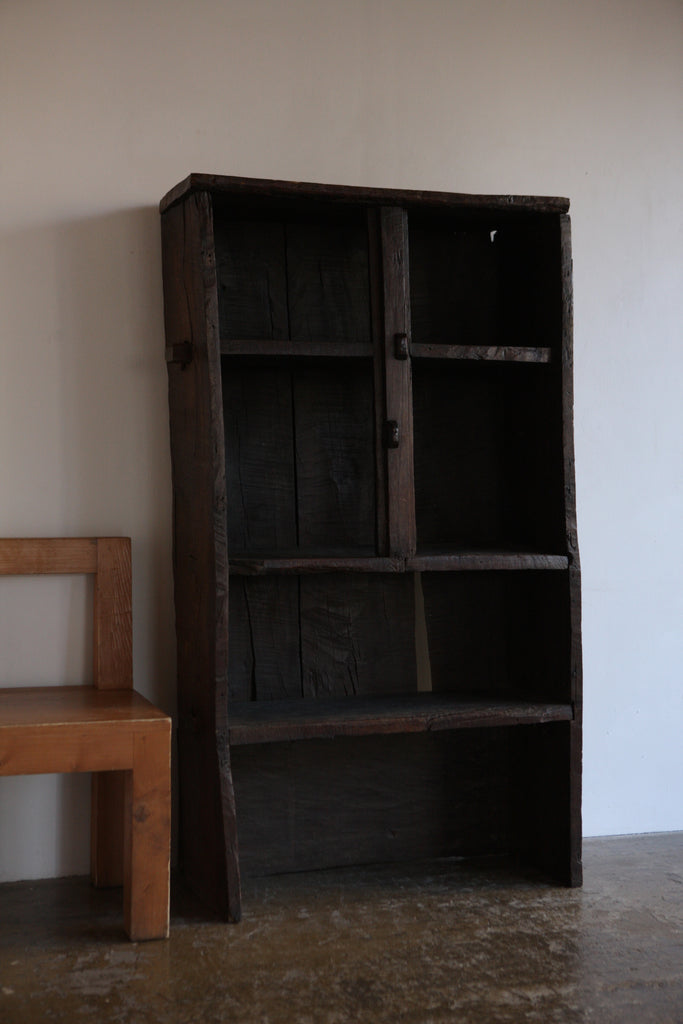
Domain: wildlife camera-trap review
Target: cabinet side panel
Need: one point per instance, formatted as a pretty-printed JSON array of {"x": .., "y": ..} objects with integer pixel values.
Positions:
[{"x": 207, "y": 832}]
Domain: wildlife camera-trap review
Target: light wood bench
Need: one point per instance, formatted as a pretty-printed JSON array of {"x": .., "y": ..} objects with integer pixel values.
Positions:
[{"x": 107, "y": 729}]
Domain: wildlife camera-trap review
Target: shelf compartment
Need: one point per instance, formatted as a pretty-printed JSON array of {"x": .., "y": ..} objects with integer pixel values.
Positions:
[
  {"x": 488, "y": 457},
  {"x": 288, "y": 278},
  {"x": 485, "y": 353},
  {"x": 494, "y": 286},
  {"x": 285, "y": 720},
  {"x": 300, "y": 458}
]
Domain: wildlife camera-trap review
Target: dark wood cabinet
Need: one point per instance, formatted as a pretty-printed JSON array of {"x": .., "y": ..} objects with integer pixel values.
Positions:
[{"x": 376, "y": 565}]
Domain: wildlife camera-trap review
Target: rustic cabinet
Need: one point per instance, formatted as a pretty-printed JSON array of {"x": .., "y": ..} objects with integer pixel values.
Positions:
[{"x": 376, "y": 565}]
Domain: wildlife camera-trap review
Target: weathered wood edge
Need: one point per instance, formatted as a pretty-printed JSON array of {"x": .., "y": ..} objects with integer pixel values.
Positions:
[
  {"x": 234, "y": 185},
  {"x": 200, "y": 555},
  {"x": 575, "y": 655},
  {"x": 283, "y": 721}
]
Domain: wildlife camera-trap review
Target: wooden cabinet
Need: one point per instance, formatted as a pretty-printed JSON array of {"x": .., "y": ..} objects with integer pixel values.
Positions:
[{"x": 376, "y": 565}]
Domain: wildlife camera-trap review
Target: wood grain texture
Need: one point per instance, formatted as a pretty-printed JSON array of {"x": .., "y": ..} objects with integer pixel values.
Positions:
[
  {"x": 488, "y": 353},
  {"x": 208, "y": 843},
  {"x": 147, "y": 838},
  {"x": 385, "y": 798},
  {"x": 24, "y": 556},
  {"x": 251, "y": 270},
  {"x": 280, "y": 721},
  {"x": 113, "y": 637},
  {"x": 357, "y": 635},
  {"x": 107, "y": 811},
  {"x": 302, "y": 190},
  {"x": 328, "y": 281},
  {"x": 335, "y": 463}
]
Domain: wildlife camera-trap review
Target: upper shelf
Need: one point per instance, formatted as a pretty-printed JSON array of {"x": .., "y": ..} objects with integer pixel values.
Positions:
[
  {"x": 364, "y": 350},
  {"x": 497, "y": 353},
  {"x": 446, "y": 561},
  {"x": 306, "y": 349}
]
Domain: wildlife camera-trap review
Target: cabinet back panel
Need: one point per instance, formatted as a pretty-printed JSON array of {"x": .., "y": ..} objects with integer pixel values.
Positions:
[
  {"x": 454, "y": 286},
  {"x": 487, "y": 457},
  {"x": 329, "y": 283},
  {"x": 505, "y": 634},
  {"x": 326, "y": 803},
  {"x": 285, "y": 279},
  {"x": 327, "y": 635},
  {"x": 493, "y": 284},
  {"x": 252, "y": 280},
  {"x": 300, "y": 458}
]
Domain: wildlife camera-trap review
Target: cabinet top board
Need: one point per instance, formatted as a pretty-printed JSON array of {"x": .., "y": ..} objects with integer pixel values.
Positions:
[{"x": 304, "y": 190}]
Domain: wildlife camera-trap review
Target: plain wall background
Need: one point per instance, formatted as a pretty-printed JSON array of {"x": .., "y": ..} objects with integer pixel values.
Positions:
[{"x": 106, "y": 104}]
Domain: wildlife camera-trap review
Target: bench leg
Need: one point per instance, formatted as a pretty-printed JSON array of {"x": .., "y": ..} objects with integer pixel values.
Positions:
[
  {"x": 147, "y": 837},
  {"x": 106, "y": 828}
]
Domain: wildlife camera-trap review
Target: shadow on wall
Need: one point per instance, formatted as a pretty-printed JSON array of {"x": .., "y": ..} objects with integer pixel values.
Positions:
[{"x": 84, "y": 450}]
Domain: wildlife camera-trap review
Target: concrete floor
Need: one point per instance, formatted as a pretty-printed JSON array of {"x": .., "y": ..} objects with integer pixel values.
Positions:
[{"x": 424, "y": 944}]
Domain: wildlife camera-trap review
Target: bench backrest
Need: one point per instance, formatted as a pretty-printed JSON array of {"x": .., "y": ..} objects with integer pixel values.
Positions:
[{"x": 108, "y": 559}]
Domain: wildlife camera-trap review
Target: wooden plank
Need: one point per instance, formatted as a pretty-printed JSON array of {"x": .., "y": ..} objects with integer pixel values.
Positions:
[
  {"x": 238, "y": 187},
  {"x": 297, "y": 348},
  {"x": 392, "y": 798},
  {"x": 280, "y": 721},
  {"x": 400, "y": 483},
  {"x": 328, "y": 282},
  {"x": 485, "y": 561},
  {"x": 259, "y": 458},
  {"x": 24, "y": 556},
  {"x": 357, "y": 634},
  {"x": 335, "y": 465},
  {"x": 74, "y": 705},
  {"x": 208, "y": 838},
  {"x": 375, "y": 259},
  {"x": 265, "y": 658},
  {"x": 488, "y": 353},
  {"x": 147, "y": 838},
  {"x": 107, "y": 809},
  {"x": 113, "y": 636},
  {"x": 314, "y": 564},
  {"x": 251, "y": 279}
]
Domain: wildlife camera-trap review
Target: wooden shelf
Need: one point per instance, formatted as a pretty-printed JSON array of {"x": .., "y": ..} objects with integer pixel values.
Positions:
[
  {"x": 502, "y": 353},
  {"x": 302, "y": 349},
  {"x": 284, "y": 720},
  {"x": 442, "y": 561},
  {"x": 454, "y": 561}
]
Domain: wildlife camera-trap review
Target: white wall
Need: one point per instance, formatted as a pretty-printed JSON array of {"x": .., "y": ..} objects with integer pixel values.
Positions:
[{"x": 105, "y": 104}]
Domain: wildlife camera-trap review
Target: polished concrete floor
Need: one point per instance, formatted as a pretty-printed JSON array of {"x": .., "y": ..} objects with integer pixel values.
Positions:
[{"x": 439, "y": 942}]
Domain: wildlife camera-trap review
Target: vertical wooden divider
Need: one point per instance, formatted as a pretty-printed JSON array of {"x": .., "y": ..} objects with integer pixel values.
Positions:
[{"x": 398, "y": 429}]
